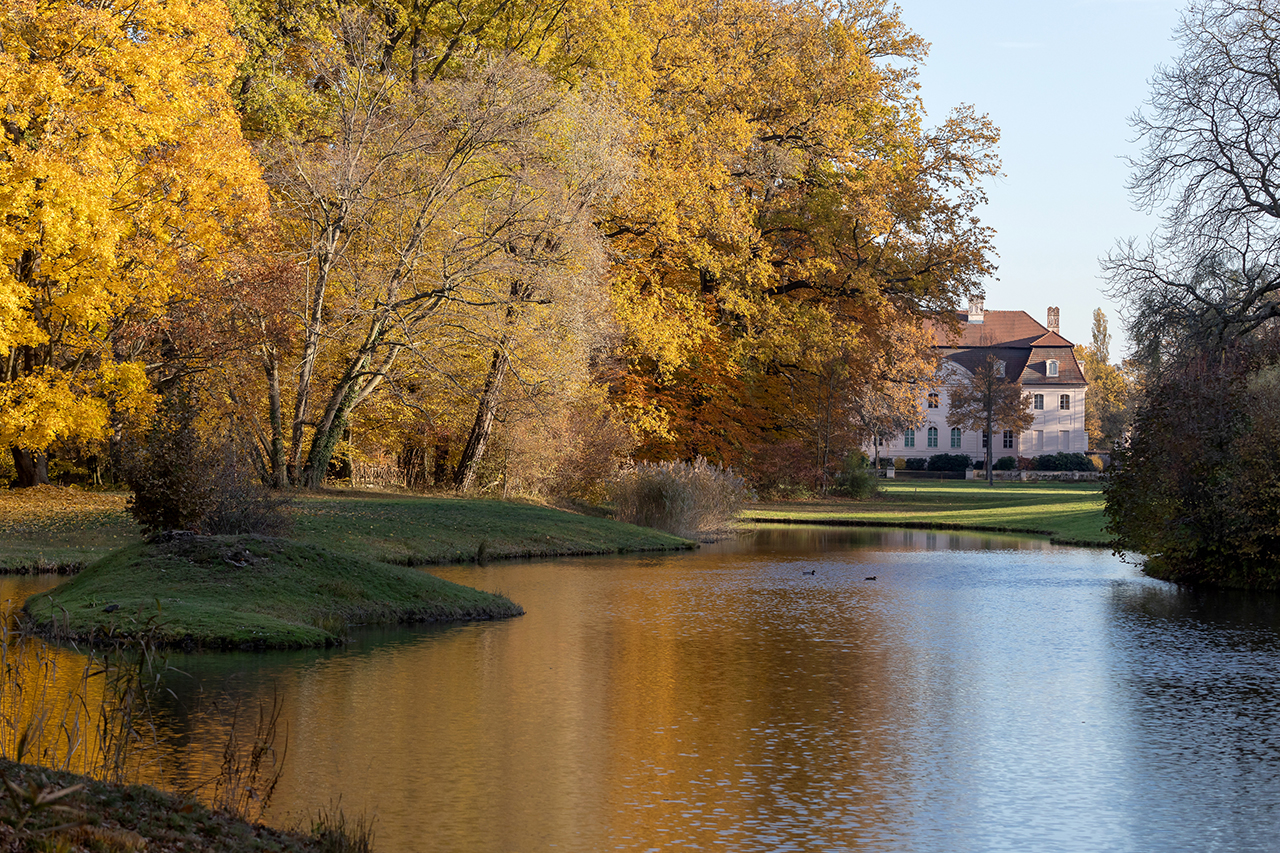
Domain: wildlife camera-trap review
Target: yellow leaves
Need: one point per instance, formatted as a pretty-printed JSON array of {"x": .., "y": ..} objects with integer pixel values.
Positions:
[
  {"x": 36, "y": 410},
  {"x": 121, "y": 161}
]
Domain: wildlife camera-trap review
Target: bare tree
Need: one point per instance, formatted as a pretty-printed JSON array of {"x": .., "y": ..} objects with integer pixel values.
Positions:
[
  {"x": 1212, "y": 155},
  {"x": 989, "y": 401}
]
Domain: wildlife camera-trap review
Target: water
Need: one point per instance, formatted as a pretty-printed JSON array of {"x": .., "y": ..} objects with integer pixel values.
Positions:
[{"x": 982, "y": 694}]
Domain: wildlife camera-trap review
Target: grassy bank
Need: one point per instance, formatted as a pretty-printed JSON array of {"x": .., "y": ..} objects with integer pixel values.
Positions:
[
  {"x": 108, "y": 817},
  {"x": 1069, "y": 513},
  {"x": 47, "y": 527},
  {"x": 248, "y": 592}
]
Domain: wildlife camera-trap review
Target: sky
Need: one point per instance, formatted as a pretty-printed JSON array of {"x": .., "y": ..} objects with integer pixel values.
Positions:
[{"x": 1060, "y": 80}]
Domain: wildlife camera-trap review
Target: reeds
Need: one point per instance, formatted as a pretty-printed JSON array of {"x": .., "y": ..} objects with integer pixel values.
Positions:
[{"x": 684, "y": 498}]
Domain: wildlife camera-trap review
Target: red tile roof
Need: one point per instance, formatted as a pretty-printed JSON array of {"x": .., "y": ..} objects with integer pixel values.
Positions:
[
  {"x": 998, "y": 328},
  {"x": 1024, "y": 345}
]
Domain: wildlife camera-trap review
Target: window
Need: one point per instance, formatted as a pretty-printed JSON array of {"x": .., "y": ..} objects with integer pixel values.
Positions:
[
  {"x": 1053, "y": 368},
  {"x": 1037, "y": 440},
  {"x": 933, "y": 436},
  {"x": 909, "y": 438},
  {"x": 1064, "y": 440},
  {"x": 955, "y": 437},
  {"x": 1039, "y": 403},
  {"x": 1008, "y": 439},
  {"x": 933, "y": 400},
  {"x": 1000, "y": 369},
  {"x": 1064, "y": 401}
]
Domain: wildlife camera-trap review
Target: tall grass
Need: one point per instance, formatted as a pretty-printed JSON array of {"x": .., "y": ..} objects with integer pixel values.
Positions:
[
  {"x": 91, "y": 711},
  {"x": 687, "y": 499}
]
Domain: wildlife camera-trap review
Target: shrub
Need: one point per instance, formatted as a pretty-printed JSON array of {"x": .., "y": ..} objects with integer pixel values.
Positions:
[
  {"x": 1005, "y": 463},
  {"x": 680, "y": 497},
  {"x": 170, "y": 468},
  {"x": 784, "y": 469},
  {"x": 1063, "y": 462},
  {"x": 899, "y": 463},
  {"x": 183, "y": 481},
  {"x": 917, "y": 463},
  {"x": 855, "y": 478},
  {"x": 242, "y": 504},
  {"x": 949, "y": 462}
]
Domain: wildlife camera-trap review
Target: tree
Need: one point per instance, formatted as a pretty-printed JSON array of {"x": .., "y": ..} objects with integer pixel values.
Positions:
[
  {"x": 123, "y": 176},
  {"x": 1195, "y": 493},
  {"x": 789, "y": 201},
  {"x": 988, "y": 400},
  {"x": 1211, "y": 141},
  {"x": 1106, "y": 406},
  {"x": 435, "y": 202},
  {"x": 1197, "y": 490}
]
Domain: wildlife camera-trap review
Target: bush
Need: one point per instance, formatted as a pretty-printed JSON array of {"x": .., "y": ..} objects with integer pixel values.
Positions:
[
  {"x": 679, "y": 497},
  {"x": 1005, "y": 463},
  {"x": 856, "y": 479},
  {"x": 1063, "y": 462},
  {"x": 949, "y": 462},
  {"x": 784, "y": 469},
  {"x": 183, "y": 481},
  {"x": 917, "y": 463},
  {"x": 899, "y": 463}
]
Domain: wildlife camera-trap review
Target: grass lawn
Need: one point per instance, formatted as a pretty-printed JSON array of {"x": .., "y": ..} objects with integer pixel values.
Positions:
[
  {"x": 248, "y": 592},
  {"x": 1069, "y": 513},
  {"x": 48, "y": 526}
]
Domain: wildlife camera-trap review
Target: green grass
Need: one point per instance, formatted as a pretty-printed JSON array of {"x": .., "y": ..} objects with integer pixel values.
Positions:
[
  {"x": 1069, "y": 513},
  {"x": 47, "y": 527},
  {"x": 248, "y": 592},
  {"x": 419, "y": 531}
]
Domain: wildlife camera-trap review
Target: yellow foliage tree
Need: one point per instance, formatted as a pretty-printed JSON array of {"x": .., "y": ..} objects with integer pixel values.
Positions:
[{"x": 121, "y": 168}]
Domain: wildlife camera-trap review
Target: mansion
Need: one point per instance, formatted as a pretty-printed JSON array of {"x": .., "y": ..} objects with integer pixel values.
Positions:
[{"x": 1040, "y": 358}]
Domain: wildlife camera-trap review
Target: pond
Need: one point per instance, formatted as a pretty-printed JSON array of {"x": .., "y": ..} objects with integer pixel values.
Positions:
[{"x": 797, "y": 689}]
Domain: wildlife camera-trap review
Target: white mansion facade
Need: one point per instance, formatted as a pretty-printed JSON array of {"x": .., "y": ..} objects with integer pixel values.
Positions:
[{"x": 1041, "y": 359}]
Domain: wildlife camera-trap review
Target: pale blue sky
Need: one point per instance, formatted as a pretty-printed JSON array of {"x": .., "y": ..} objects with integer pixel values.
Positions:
[{"x": 1060, "y": 80}]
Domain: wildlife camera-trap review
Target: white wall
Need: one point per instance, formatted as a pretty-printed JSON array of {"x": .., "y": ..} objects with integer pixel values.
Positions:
[{"x": 1050, "y": 421}]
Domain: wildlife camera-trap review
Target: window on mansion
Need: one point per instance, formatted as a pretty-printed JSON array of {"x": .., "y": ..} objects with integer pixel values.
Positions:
[
  {"x": 955, "y": 437},
  {"x": 1000, "y": 369},
  {"x": 1039, "y": 402},
  {"x": 1008, "y": 439},
  {"x": 933, "y": 399},
  {"x": 1064, "y": 401},
  {"x": 909, "y": 438},
  {"x": 932, "y": 436},
  {"x": 1053, "y": 368}
]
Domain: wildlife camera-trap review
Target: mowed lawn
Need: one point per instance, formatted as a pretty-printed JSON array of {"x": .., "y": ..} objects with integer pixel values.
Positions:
[
  {"x": 48, "y": 527},
  {"x": 1068, "y": 512}
]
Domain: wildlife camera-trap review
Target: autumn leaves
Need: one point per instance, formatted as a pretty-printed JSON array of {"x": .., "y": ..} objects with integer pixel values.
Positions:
[{"x": 693, "y": 228}]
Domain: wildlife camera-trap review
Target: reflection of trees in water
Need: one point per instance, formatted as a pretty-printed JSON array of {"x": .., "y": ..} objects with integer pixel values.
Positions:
[
  {"x": 1250, "y": 610},
  {"x": 816, "y": 538}
]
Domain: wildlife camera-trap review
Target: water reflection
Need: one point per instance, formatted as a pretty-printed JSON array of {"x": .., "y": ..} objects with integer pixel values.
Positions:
[{"x": 983, "y": 693}]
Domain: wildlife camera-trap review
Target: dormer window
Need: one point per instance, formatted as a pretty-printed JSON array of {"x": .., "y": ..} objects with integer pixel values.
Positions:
[
  {"x": 1000, "y": 369},
  {"x": 1053, "y": 368},
  {"x": 933, "y": 400}
]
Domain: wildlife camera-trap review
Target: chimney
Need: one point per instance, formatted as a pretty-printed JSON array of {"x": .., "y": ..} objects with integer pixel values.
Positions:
[
  {"x": 975, "y": 309},
  {"x": 1053, "y": 320}
]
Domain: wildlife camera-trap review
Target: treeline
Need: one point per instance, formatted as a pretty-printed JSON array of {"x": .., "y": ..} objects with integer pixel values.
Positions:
[{"x": 483, "y": 243}]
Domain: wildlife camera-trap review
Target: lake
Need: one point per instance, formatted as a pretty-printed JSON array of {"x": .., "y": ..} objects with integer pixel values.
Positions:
[{"x": 982, "y": 693}]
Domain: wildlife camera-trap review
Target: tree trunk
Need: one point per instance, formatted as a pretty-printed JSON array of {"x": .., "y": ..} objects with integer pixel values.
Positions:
[
  {"x": 32, "y": 468},
  {"x": 465, "y": 474},
  {"x": 278, "y": 461},
  {"x": 440, "y": 463}
]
